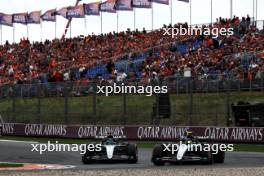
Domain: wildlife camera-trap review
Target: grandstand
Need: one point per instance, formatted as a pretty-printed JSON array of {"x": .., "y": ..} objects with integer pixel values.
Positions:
[
  {"x": 55, "y": 80},
  {"x": 58, "y": 71},
  {"x": 141, "y": 55}
]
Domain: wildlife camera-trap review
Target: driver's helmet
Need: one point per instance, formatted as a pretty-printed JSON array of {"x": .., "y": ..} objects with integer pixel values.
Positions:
[
  {"x": 189, "y": 134},
  {"x": 110, "y": 136},
  {"x": 110, "y": 141}
]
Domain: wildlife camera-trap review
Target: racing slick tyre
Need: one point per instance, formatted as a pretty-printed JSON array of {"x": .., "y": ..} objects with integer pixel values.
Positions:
[
  {"x": 132, "y": 152},
  {"x": 86, "y": 158},
  {"x": 219, "y": 157},
  {"x": 157, "y": 155},
  {"x": 210, "y": 158}
]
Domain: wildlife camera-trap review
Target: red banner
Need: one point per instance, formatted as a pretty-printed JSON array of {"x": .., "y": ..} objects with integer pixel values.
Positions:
[
  {"x": 187, "y": 1},
  {"x": 156, "y": 133},
  {"x": 124, "y": 5},
  {"x": 141, "y": 3},
  {"x": 34, "y": 17},
  {"x": 166, "y": 2},
  {"x": 49, "y": 15},
  {"x": 62, "y": 12},
  {"x": 20, "y": 18},
  {"x": 75, "y": 12},
  {"x": 6, "y": 19},
  {"x": 108, "y": 6},
  {"x": 92, "y": 8}
]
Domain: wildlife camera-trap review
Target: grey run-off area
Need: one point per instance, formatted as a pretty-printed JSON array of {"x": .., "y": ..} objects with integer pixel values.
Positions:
[{"x": 11, "y": 151}]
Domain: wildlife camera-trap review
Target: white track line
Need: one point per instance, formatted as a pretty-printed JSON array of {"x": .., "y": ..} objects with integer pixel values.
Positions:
[{"x": 26, "y": 142}]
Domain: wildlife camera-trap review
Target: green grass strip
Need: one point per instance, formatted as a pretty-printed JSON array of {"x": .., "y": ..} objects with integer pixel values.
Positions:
[{"x": 10, "y": 165}]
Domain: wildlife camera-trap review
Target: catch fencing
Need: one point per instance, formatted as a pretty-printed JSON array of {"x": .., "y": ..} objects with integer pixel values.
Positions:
[{"x": 189, "y": 102}]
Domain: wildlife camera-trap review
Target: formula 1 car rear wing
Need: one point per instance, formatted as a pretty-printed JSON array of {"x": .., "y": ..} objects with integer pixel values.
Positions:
[
  {"x": 203, "y": 137},
  {"x": 115, "y": 137}
]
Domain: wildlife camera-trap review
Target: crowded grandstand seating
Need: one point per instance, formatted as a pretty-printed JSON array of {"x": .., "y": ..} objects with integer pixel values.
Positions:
[{"x": 137, "y": 55}]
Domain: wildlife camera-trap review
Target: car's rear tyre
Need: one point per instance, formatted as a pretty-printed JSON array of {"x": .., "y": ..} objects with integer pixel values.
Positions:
[
  {"x": 157, "y": 155},
  {"x": 85, "y": 158},
  {"x": 219, "y": 157},
  {"x": 132, "y": 152},
  {"x": 210, "y": 159}
]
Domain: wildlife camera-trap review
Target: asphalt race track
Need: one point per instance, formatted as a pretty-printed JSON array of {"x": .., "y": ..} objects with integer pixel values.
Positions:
[{"x": 11, "y": 151}]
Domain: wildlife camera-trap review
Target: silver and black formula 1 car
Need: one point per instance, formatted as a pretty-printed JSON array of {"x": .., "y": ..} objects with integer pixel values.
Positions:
[
  {"x": 112, "y": 149},
  {"x": 188, "y": 150}
]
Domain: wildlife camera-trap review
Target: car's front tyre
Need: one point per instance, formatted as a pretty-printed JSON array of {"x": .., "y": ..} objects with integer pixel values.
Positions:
[
  {"x": 219, "y": 157},
  {"x": 157, "y": 154},
  {"x": 132, "y": 153}
]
